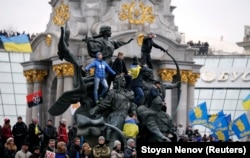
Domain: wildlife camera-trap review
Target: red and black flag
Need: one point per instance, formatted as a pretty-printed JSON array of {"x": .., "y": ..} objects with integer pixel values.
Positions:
[{"x": 34, "y": 99}]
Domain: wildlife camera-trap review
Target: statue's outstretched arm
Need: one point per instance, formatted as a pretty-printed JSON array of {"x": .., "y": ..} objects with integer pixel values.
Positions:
[{"x": 171, "y": 85}]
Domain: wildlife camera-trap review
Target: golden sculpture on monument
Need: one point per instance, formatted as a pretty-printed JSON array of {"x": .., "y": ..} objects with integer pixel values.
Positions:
[
  {"x": 61, "y": 14},
  {"x": 136, "y": 14}
]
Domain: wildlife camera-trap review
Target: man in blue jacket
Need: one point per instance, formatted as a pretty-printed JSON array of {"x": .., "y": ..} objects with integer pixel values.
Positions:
[{"x": 100, "y": 75}]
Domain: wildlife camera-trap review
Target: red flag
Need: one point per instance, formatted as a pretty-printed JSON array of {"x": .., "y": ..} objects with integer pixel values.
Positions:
[{"x": 34, "y": 99}]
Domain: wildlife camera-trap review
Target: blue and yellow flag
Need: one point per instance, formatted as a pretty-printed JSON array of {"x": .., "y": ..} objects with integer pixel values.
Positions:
[
  {"x": 221, "y": 135},
  {"x": 221, "y": 131},
  {"x": 19, "y": 43},
  {"x": 246, "y": 102},
  {"x": 223, "y": 124},
  {"x": 214, "y": 120},
  {"x": 229, "y": 123},
  {"x": 241, "y": 126},
  {"x": 198, "y": 115}
]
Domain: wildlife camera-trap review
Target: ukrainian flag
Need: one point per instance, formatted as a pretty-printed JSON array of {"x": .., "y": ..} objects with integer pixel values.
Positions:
[
  {"x": 19, "y": 43},
  {"x": 246, "y": 103},
  {"x": 198, "y": 115},
  {"x": 241, "y": 126}
]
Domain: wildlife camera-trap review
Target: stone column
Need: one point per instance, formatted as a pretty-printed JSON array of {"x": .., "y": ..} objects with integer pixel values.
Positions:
[
  {"x": 59, "y": 74},
  {"x": 68, "y": 73},
  {"x": 30, "y": 86},
  {"x": 191, "y": 87},
  {"x": 38, "y": 78}
]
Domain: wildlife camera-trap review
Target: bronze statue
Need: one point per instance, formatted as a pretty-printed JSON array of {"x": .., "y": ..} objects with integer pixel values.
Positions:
[
  {"x": 148, "y": 82},
  {"x": 115, "y": 107},
  {"x": 102, "y": 43},
  {"x": 110, "y": 113},
  {"x": 157, "y": 125},
  {"x": 80, "y": 88}
]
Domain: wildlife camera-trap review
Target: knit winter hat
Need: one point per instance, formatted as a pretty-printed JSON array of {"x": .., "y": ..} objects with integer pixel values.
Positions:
[
  {"x": 152, "y": 33},
  {"x": 98, "y": 53},
  {"x": 101, "y": 137},
  {"x": 130, "y": 141},
  {"x": 9, "y": 139},
  {"x": 63, "y": 121},
  {"x": 116, "y": 142},
  {"x": 6, "y": 120}
]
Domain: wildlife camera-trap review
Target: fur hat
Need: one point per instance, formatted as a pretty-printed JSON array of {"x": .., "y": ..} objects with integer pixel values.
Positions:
[
  {"x": 116, "y": 142},
  {"x": 134, "y": 60},
  {"x": 9, "y": 139}
]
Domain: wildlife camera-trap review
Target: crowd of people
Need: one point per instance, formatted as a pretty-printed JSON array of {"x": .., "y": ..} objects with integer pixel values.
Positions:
[
  {"x": 202, "y": 46},
  {"x": 189, "y": 134},
  {"x": 12, "y": 34},
  {"x": 32, "y": 141}
]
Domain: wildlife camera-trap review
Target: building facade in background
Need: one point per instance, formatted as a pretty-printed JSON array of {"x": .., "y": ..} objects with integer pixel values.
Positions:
[
  {"x": 224, "y": 82},
  {"x": 13, "y": 89}
]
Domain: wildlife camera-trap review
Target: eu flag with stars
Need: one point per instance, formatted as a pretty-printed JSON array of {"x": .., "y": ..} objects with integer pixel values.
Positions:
[
  {"x": 241, "y": 126},
  {"x": 198, "y": 115}
]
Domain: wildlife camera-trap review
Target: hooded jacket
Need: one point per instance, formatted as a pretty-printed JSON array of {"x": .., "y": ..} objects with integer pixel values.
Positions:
[
  {"x": 135, "y": 72},
  {"x": 100, "y": 68}
]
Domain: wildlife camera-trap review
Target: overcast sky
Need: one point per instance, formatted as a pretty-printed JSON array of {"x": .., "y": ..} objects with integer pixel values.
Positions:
[{"x": 210, "y": 18}]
